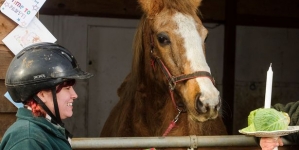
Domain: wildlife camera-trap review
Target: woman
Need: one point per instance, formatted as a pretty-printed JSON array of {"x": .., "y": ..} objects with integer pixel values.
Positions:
[
  {"x": 41, "y": 77},
  {"x": 292, "y": 109}
]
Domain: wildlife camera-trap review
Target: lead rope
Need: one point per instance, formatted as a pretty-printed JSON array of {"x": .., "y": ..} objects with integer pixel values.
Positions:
[
  {"x": 172, "y": 123},
  {"x": 170, "y": 127},
  {"x": 171, "y": 88}
]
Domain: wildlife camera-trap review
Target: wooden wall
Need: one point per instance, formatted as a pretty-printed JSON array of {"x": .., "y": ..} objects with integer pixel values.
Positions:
[
  {"x": 7, "y": 110},
  {"x": 273, "y": 13}
]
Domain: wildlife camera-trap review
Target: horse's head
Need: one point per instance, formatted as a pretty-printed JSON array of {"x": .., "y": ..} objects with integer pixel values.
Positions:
[{"x": 175, "y": 35}]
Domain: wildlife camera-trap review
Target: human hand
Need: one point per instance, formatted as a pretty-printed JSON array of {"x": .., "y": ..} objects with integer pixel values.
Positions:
[{"x": 268, "y": 143}]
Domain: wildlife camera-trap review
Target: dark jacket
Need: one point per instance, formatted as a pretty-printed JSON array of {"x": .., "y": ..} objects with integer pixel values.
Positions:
[
  {"x": 292, "y": 109},
  {"x": 33, "y": 133}
]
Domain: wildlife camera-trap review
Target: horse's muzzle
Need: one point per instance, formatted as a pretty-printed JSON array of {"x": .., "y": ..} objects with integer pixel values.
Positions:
[{"x": 206, "y": 107}]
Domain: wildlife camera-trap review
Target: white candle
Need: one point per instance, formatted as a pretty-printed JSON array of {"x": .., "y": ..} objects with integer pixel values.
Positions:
[{"x": 269, "y": 87}]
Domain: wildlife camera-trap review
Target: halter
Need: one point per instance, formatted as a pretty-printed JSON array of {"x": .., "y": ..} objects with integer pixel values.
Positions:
[{"x": 172, "y": 80}]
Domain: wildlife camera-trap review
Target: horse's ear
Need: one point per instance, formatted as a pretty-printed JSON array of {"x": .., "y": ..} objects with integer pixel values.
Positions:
[
  {"x": 151, "y": 7},
  {"x": 196, "y": 3}
]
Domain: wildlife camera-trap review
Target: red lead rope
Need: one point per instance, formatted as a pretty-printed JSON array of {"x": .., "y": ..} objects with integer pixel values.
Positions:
[{"x": 172, "y": 123}]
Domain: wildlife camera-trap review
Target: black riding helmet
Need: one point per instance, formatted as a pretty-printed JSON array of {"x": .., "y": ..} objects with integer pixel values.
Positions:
[{"x": 38, "y": 67}]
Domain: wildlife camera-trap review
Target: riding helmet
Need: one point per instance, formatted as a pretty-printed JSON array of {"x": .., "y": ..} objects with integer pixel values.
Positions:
[{"x": 38, "y": 67}]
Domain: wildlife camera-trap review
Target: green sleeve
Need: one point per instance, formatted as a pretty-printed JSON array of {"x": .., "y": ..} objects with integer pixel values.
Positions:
[
  {"x": 292, "y": 109},
  {"x": 29, "y": 144}
]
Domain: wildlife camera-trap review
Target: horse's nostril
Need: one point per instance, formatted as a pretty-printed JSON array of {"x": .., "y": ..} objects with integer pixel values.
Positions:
[{"x": 200, "y": 108}]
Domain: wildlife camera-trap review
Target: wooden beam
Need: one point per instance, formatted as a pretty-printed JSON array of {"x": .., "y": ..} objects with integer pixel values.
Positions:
[
  {"x": 262, "y": 21},
  {"x": 251, "y": 13},
  {"x": 93, "y": 8},
  {"x": 269, "y": 8},
  {"x": 229, "y": 64}
]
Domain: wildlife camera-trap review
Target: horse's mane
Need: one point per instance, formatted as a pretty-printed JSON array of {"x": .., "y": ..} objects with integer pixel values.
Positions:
[
  {"x": 136, "y": 75},
  {"x": 138, "y": 48}
]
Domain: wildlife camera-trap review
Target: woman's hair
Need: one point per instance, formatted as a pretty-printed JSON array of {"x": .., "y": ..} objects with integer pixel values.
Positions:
[{"x": 37, "y": 110}]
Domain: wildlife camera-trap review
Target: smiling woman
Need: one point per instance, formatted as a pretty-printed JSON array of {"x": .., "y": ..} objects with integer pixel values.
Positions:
[
  {"x": 62, "y": 90},
  {"x": 41, "y": 77}
]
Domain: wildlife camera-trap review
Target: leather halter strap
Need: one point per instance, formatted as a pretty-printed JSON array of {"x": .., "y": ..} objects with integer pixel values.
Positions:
[{"x": 172, "y": 80}]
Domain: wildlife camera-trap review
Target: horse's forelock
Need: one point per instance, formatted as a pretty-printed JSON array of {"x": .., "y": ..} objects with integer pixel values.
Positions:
[
  {"x": 153, "y": 7},
  {"x": 184, "y": 6}
]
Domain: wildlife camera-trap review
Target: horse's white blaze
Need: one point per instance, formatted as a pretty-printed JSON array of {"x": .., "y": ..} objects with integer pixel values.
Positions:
[{"x": 194, "y": 52}]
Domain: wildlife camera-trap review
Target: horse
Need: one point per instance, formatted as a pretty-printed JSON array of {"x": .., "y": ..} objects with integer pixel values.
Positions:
[{"x": 170, "y": 90}]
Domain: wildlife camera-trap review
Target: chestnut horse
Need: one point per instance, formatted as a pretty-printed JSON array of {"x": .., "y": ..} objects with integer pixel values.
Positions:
[{"x": 169, "y": 91}]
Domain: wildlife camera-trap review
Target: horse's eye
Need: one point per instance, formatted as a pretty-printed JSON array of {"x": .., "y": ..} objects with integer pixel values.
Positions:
[{"x": 163, "y": 39}]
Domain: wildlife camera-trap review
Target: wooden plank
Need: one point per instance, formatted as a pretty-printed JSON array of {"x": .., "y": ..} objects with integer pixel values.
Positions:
[
  {"x": 6, "y": 120},
  {"x": 5, "y": 58},
  {"x": 6, "y": 25},
  {"x": 95, "y": 8},
  {"x": 5, "y": 105}
]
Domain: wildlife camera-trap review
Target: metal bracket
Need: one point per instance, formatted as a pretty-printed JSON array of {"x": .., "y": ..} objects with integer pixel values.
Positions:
[{"x": 193, "y": 142}]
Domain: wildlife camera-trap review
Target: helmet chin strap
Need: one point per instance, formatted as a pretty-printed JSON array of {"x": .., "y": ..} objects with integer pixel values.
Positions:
[
  {"x": 54, "y": 118},
  {"x": 57, "y": 114}
]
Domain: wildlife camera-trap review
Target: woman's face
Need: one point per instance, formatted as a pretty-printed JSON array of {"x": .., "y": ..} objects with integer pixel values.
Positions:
[{"x": 65, "y": 99}]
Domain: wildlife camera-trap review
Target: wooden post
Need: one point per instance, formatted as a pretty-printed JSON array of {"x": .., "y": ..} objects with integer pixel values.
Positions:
[
  {"x": 7, "y": 110},
  {"x": 229, "y": 64}
]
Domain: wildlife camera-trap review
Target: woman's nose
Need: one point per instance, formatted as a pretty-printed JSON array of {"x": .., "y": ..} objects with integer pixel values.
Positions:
[{"x": 73, "y": 93}]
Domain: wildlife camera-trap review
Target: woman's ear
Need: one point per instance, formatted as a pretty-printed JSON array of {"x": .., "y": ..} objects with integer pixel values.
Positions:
[{"x": 43, "y": 95}]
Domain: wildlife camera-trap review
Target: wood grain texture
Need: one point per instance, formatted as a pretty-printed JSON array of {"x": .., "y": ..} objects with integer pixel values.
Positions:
[
  {"x": 5, "y": 105},
  {"x": 6, "y": 25},
  {"x": 5, "y": 58}
]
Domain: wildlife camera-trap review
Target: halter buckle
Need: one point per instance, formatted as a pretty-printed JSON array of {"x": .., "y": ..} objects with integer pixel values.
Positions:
[
  {"x": 177, "y": 116},
  {"x": 172, "y": 84}
]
